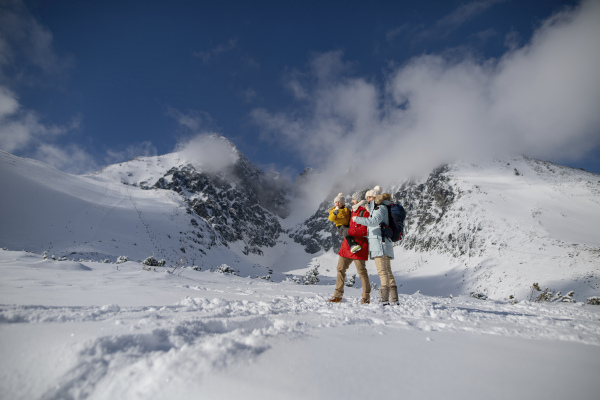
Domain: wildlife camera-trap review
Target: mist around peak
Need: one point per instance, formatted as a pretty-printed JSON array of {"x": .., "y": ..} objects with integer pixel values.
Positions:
[
  {"x": 540, "y": 100},
  {"x": 208, "y": 152}
]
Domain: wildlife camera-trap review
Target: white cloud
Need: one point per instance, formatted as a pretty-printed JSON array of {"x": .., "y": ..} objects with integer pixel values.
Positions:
[
  {"x": 512, "y": 40},
  {"x": 69, "y": 158},
  {"x": 21, "y": 129},
  {"x": 249, "y": 95},
  {"x": 209, "y": 152},
  {"x": 393, "y": 33},
  {"x": 201, "y": 147},
  {"x": 8, "y": 103},
  {"x": 547, "y": 94},
  {"x": 26, "y": 55},
  {"x": 541, "y": 100},
  {"x": 464, "y": 13},
  {"x": 192, "y": 120},
  {"x": 292, "y": 81},
  {"x": 485, "y": 35},
  {"x": 25, "y": 42},
  {"x": 22, "y": 132},
  {"x": 229, "y": 53},
  {"x": 249, "y": 62},
  {"x": 143, "y": 149},
  {"x": 209, "y": 55},
  {"x": 445, "y": 25},
  {"x": 326, "y": 66}
]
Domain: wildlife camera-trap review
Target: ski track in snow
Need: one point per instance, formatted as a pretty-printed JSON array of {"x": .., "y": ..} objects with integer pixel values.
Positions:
[{"x": 196, "y": 336}]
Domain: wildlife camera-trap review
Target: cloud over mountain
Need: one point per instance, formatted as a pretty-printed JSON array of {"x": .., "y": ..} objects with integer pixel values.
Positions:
[{"x": 540, "y": 99}]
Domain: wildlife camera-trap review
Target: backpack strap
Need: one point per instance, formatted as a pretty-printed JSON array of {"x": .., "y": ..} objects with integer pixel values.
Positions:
[{"x": 389, "y": 210}]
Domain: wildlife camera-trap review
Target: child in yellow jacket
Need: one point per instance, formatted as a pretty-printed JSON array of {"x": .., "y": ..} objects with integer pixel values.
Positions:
[{"x": 340, "y": 216}]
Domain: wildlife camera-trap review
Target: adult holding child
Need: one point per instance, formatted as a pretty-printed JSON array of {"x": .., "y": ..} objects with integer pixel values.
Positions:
[
  {"x": 381, "y": 249},
  {"x": 356, "y": 234}
]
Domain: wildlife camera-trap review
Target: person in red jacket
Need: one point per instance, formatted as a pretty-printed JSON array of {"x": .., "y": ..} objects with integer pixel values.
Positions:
[{"x": 360, "y": 257}]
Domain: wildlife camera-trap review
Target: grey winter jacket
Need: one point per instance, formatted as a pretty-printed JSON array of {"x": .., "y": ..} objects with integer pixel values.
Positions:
[{"x": 377, "y": 247}]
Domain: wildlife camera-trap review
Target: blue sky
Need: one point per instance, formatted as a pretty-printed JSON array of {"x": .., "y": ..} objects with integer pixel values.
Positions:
[{"x": 293, "y": 84}]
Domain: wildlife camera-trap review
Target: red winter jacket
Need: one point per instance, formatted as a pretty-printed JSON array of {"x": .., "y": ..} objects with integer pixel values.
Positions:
[{"x": 358, "y": 232}]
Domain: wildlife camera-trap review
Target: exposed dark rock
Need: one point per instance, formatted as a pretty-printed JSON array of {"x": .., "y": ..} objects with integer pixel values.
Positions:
[
  {"x": 230, "y": 203},
  {"x": 425, "y": 203},
  {"x": 317, "y": 232}
]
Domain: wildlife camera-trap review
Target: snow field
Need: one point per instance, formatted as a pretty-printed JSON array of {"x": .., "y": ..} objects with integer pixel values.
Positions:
[
  {"x": 92, "y": 330},
  {"x": 209, "y": 335}
]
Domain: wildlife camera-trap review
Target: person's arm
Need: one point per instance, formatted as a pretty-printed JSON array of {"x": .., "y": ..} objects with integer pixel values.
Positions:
[
  {"x": 358, "y": 230},
  {"x": 332, "y": 214},
  {"x": 343, "y": 216},
  {"x": 374, "y": 219}
]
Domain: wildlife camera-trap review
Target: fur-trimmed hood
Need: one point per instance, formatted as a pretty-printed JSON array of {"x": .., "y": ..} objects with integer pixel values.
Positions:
[{"x": 383, "y": 197}]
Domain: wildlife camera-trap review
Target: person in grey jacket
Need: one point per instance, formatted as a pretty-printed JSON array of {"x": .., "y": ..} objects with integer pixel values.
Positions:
[{"x": 381, "y": 250}]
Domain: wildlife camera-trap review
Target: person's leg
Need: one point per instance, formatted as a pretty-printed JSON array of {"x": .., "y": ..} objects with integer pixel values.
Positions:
[
  {"x": 394, "y": 295},
  {"x": 384, "y": 288},
  {"x": 351, "y": 241},
  {"x": 343, "y": 264},
  {"x": 387, "y": 264},
  {"x": 361, "y": 268},
  {"x": 342, "y": 230}
]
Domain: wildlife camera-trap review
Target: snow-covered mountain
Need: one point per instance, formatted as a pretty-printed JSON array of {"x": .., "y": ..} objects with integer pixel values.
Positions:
[
  {"x": 150, "y": 206},
  {"x": 505, "y": 225},
  {"x": 494, "y": 228}
]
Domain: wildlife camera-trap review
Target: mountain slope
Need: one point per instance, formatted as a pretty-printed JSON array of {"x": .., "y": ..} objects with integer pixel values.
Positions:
[
  {"x": 85, "y": 216},
  {"x": 104, "y": 216},
  {"x": 494, "y": 228}
]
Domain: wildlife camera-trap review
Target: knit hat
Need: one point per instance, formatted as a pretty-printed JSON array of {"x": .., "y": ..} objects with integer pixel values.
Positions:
[
  {"x": 373, "y": 192},
  {"x": 359, "y": 205},
  {"x": 340, "y": 197},
  {"x": 360, "y": 195}
]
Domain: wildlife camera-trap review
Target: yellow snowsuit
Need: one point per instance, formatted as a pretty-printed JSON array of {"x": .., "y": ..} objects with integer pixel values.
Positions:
[{"x": 342, "y": 217}]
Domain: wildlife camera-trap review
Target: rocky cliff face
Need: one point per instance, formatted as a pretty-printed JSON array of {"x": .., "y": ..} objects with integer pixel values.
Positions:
[
  {"x": 426, "y": 203},
  {"x": 234, "y": 211},
  {"x": 237, "y": 203},
  {"x": 317, "y": 232}
]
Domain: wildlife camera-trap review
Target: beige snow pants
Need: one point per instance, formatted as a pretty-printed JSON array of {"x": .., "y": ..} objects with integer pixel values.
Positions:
[
  {"x": 384, "y": 270},
  {"x": 388, "y": 283},
  {"x": 361, "y": 268}
]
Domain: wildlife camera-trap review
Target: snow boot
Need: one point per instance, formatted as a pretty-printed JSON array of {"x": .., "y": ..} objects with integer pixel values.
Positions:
[
  {"x": 384, "y": 293},
  {"x": 394, "y": 295},
  {"x": 365, "y": 301},
  {"x": 335, "y": 299}
]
